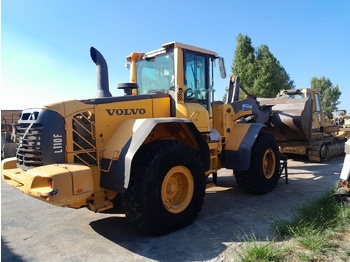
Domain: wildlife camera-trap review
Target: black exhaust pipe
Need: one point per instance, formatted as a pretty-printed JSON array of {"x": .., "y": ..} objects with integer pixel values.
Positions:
[{"x": 102, "y": 73}]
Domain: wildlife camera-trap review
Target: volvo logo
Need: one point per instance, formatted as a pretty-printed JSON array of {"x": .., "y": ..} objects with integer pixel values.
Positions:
[{"x": 126, "y": 111}]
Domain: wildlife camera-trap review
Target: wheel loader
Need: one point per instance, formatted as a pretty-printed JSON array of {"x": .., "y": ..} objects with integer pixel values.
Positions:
[{"x": 156, "y": 148}]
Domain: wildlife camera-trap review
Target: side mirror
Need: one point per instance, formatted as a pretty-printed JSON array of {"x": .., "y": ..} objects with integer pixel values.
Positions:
[{"x": 222, "y": 67}]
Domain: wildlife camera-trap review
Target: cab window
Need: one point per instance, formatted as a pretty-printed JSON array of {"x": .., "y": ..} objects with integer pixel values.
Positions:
[
  {"x": 155, "y": 74},
  {"x": 196, "y": 77},
  {"x": 318, "y": 103}
]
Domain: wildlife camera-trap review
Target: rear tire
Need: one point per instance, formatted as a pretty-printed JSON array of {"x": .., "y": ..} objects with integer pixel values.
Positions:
[
  {"x": 166, "y": 189},
  {"x": 263, "y": 173}
]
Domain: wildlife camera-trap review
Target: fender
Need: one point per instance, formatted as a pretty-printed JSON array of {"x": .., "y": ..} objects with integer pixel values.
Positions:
[
  {"x": 239, "y": 145},
  {"x": 125, "y": 142}
]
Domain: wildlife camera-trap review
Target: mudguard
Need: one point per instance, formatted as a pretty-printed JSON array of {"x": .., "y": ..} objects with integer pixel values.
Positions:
[
  {"x": 123, "y": 145},
  {"x": 239, "y": 145}
]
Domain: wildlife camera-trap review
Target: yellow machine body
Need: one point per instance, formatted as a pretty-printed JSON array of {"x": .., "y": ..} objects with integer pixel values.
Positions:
[{"x": 84, "y": 152}]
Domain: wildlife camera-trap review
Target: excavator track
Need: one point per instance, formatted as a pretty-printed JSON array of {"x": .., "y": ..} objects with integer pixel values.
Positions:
[{"x": 326, "y": 148}]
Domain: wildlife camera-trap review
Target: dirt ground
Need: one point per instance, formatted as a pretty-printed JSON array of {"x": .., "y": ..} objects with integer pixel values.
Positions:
[{"x": 32, "y": 230}]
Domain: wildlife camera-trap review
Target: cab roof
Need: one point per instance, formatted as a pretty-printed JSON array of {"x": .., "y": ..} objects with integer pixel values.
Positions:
[{"x": 189, "y": 47}]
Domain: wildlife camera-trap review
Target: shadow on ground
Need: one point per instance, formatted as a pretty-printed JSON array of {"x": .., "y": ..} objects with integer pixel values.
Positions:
[
  {"x": 7, "y": 255},
  {"x": 229, "y": 215}
]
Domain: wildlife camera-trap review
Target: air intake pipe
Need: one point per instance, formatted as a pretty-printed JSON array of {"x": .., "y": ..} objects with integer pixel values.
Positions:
[{"x": 102, "y": 73}]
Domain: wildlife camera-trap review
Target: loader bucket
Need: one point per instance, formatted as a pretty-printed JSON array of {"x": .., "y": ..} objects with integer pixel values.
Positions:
[{"x": 291, "y": 119}]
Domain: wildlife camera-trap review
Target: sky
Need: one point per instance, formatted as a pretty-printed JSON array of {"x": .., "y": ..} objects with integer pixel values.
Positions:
[{"x": 45, "y": 44}]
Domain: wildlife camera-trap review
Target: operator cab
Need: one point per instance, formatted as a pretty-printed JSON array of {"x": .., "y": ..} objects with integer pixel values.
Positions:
[{"x": 176, "y": 65}]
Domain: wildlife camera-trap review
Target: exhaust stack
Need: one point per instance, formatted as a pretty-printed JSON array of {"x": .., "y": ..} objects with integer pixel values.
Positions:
[{"x": 102, "y": 73}]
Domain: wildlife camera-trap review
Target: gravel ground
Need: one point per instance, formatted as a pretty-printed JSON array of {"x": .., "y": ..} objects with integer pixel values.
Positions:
[{"x": 32, "y": 230}]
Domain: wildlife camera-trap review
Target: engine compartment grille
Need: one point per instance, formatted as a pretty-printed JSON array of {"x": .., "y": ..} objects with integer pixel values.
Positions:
[
  {"x": 40, "y": 138},
  {"x": 29, "y": 150},
  {"x": 84, "y": 139}
]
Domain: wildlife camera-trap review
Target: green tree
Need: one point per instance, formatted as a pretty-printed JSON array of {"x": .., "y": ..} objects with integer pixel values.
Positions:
[
  {"x": 244, "y": 61},
  {"x": 260, "y": 72},
  {"x": 330, "y": 94},
  {"x": 271, "y": 76}
]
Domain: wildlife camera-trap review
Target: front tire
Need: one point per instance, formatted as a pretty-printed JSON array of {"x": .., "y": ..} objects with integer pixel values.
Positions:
[
  {"x": 263, "y": 174},
  {"x": 166, "y": 189}
]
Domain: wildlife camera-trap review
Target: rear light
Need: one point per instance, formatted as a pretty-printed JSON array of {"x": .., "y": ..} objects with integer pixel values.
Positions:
[{"x": 51, "y": 183}]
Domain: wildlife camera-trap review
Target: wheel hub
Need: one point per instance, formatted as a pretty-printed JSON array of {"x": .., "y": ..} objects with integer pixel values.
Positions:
[
  {"x": 177, "y": 189},
  {"x": 269, "y": 163}
]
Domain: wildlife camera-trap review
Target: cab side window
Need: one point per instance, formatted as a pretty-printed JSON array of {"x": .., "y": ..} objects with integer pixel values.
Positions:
[
  {"x": 318, "y": 103},
  {"x": 195, "y": 77}
]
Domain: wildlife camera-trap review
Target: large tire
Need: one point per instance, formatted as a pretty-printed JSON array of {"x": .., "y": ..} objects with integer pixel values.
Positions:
[
  {"x": 166, "y": 189},
  {"x": 263, "y": 173}
]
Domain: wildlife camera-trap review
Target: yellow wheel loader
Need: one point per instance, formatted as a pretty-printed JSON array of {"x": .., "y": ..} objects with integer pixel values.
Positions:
[{"x": 154, "y": 147}]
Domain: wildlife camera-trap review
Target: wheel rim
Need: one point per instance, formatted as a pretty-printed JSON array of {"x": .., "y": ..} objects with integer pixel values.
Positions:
[
  {"x": 269, "y": 163},
  {"x": 177, "y": 189}
]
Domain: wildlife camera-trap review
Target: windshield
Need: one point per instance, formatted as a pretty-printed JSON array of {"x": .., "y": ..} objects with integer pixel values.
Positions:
[
  {"x": 296, "y": 96},
  {"x": 155, "y": 74},
  {"x": 299, "y": 95}
]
